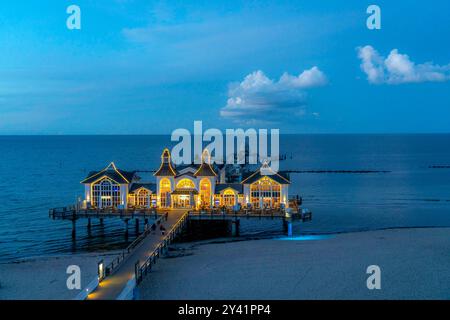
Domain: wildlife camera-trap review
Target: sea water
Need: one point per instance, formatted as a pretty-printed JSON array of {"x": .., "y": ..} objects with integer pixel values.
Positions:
[{"x": 409, "y": 188}]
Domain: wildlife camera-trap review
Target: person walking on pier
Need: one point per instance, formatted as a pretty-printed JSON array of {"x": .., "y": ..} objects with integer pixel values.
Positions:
[{"x": 162, "y": 228}]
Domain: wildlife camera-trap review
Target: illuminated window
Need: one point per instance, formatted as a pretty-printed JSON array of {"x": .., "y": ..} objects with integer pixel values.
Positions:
[
  {"x": 143, "y": 198},
  {"x": 164, "y": 192},
  {"x": 205, "y": 192},
  {"x": 265, "y": 193},
  {"x": 186, "y": 184},
  {"x": 105, "y": 194},
  {"x": 228, "y": 198}
]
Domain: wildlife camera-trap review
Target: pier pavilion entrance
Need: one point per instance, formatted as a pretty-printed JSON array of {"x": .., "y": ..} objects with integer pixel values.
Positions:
[
  {"x": 183, "y": 200},
  {"x": 185, "y": 194},
  {"x": 229, "y": 198}
]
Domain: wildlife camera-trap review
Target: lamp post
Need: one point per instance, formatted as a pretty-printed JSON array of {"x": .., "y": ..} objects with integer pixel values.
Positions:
[
  {"x": 136, "y": 272},
  {"x": 101, "y": 270}
]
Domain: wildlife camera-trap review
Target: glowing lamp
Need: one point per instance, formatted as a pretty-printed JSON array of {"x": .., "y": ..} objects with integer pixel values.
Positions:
[{"x": 101, "y": 270}]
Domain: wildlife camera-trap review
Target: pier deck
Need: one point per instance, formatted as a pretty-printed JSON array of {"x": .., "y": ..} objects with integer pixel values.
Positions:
[
  {"x": 136, "y": 261},
  {"x": 72, "y": 213},
  {"x": 111, "y": 287}
]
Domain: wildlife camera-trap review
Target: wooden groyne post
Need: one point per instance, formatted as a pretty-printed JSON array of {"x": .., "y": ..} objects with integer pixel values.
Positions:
[
  {"x": 126, "y": 228},
  {"x": 235, "y": 226},
  {"x": 74, "y": 229},
  {"x": 137, "y": 225}
]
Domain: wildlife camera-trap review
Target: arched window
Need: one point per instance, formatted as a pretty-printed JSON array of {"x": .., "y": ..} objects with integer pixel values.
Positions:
[
  {"x": 105, "y": 193},
  {"x": 205, "y": 192},
  {"x": 228, "y": 198},
  {"x": 143, "y": 198},
  {"x": 265, "y": 193},
  {"x": 164, "y": 192},
  {"x": 185, "y": 184}
]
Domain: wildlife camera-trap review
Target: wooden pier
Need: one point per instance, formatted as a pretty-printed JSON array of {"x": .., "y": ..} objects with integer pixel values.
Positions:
[
  {"x": 138, "y": 263},
  {"x": 248, "y": 214},
  {"x": 135, "y": 262},
  {"x": 73, "y": 214}
]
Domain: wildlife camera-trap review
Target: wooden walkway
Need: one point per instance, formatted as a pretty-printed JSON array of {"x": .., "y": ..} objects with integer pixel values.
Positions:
[
  {"x": 72, "y": 213},
  {"x": 260, "y": 214},
  {"x": 112, "y": 286},
  {"x": 129, "y": 268}
]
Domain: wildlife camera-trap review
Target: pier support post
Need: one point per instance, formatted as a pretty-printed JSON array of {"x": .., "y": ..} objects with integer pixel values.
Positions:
[
  {"x": 101, "y": 221},
  {"x": 137, "y": 226},
  {"x": 235, "y": 228},
  {"x": 287, "y": 227},
  {"x": 74, "y": 229},
  {"x": 89, "y": 227},
  {"x": 126, "y": 228}
]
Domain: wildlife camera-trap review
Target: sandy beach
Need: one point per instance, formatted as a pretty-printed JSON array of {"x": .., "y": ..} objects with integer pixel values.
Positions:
[
  {"x": 415, "y": 264},
  {"x": 45, "y": 277}
]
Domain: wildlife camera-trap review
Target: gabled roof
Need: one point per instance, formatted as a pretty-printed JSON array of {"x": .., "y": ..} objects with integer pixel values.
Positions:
[
  {"x": 186, "y": 169},
  {"x": 265, "y": 170},
  {"x": 149, "y": 186},
  {"x": 111, "y": 171},
  {"x": 205, "y": 169},
  {"x": 239, "y": 188},
  {"x": 166, "y": 168},
  {"x": 190, "y": 174}
]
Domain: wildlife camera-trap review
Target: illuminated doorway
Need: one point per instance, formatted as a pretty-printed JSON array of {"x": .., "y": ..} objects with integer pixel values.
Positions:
[
  {"x": 205, "y": 193},
  {"x": 164, "y": 192},
  {"x": 228, "y": 198}
]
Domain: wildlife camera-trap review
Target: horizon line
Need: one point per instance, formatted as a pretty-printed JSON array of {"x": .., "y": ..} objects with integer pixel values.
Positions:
[{"x": 169, "y": 134}]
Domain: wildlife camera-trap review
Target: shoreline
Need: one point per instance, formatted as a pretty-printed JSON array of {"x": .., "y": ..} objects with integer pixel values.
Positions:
[
  {"x": 258, "y": 236},
  {"x": 44, "y": 277}
]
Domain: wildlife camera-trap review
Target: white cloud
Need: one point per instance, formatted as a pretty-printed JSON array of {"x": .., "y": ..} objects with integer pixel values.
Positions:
[
  {"x": 308, "y": 78},
  {"x": 397, "y": 68},
  {"x": 260, "y": 99}
]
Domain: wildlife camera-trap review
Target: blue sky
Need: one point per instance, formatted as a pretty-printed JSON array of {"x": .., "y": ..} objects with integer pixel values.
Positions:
[{"x": 144, "y": 67}]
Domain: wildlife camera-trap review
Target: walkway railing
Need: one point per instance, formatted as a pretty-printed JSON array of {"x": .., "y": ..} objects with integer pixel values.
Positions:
[
  {"x": 113, "y": 265},
  {"x": 71, "y": 212},
  {"x": 145, "y": 268},
  {"x": 304, "y": 214},
  {"x": 240, "y": 213}
]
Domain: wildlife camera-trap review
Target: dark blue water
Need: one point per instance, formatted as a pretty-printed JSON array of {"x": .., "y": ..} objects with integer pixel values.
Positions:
[{"x": 40, "y": 172}]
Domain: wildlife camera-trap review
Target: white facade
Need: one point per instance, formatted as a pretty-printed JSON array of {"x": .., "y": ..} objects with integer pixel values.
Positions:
[{"x": 189, "y": 187}]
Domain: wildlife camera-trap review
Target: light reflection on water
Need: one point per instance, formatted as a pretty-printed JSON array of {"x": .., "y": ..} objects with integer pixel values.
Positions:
[{"x": 306, "y": 238}]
